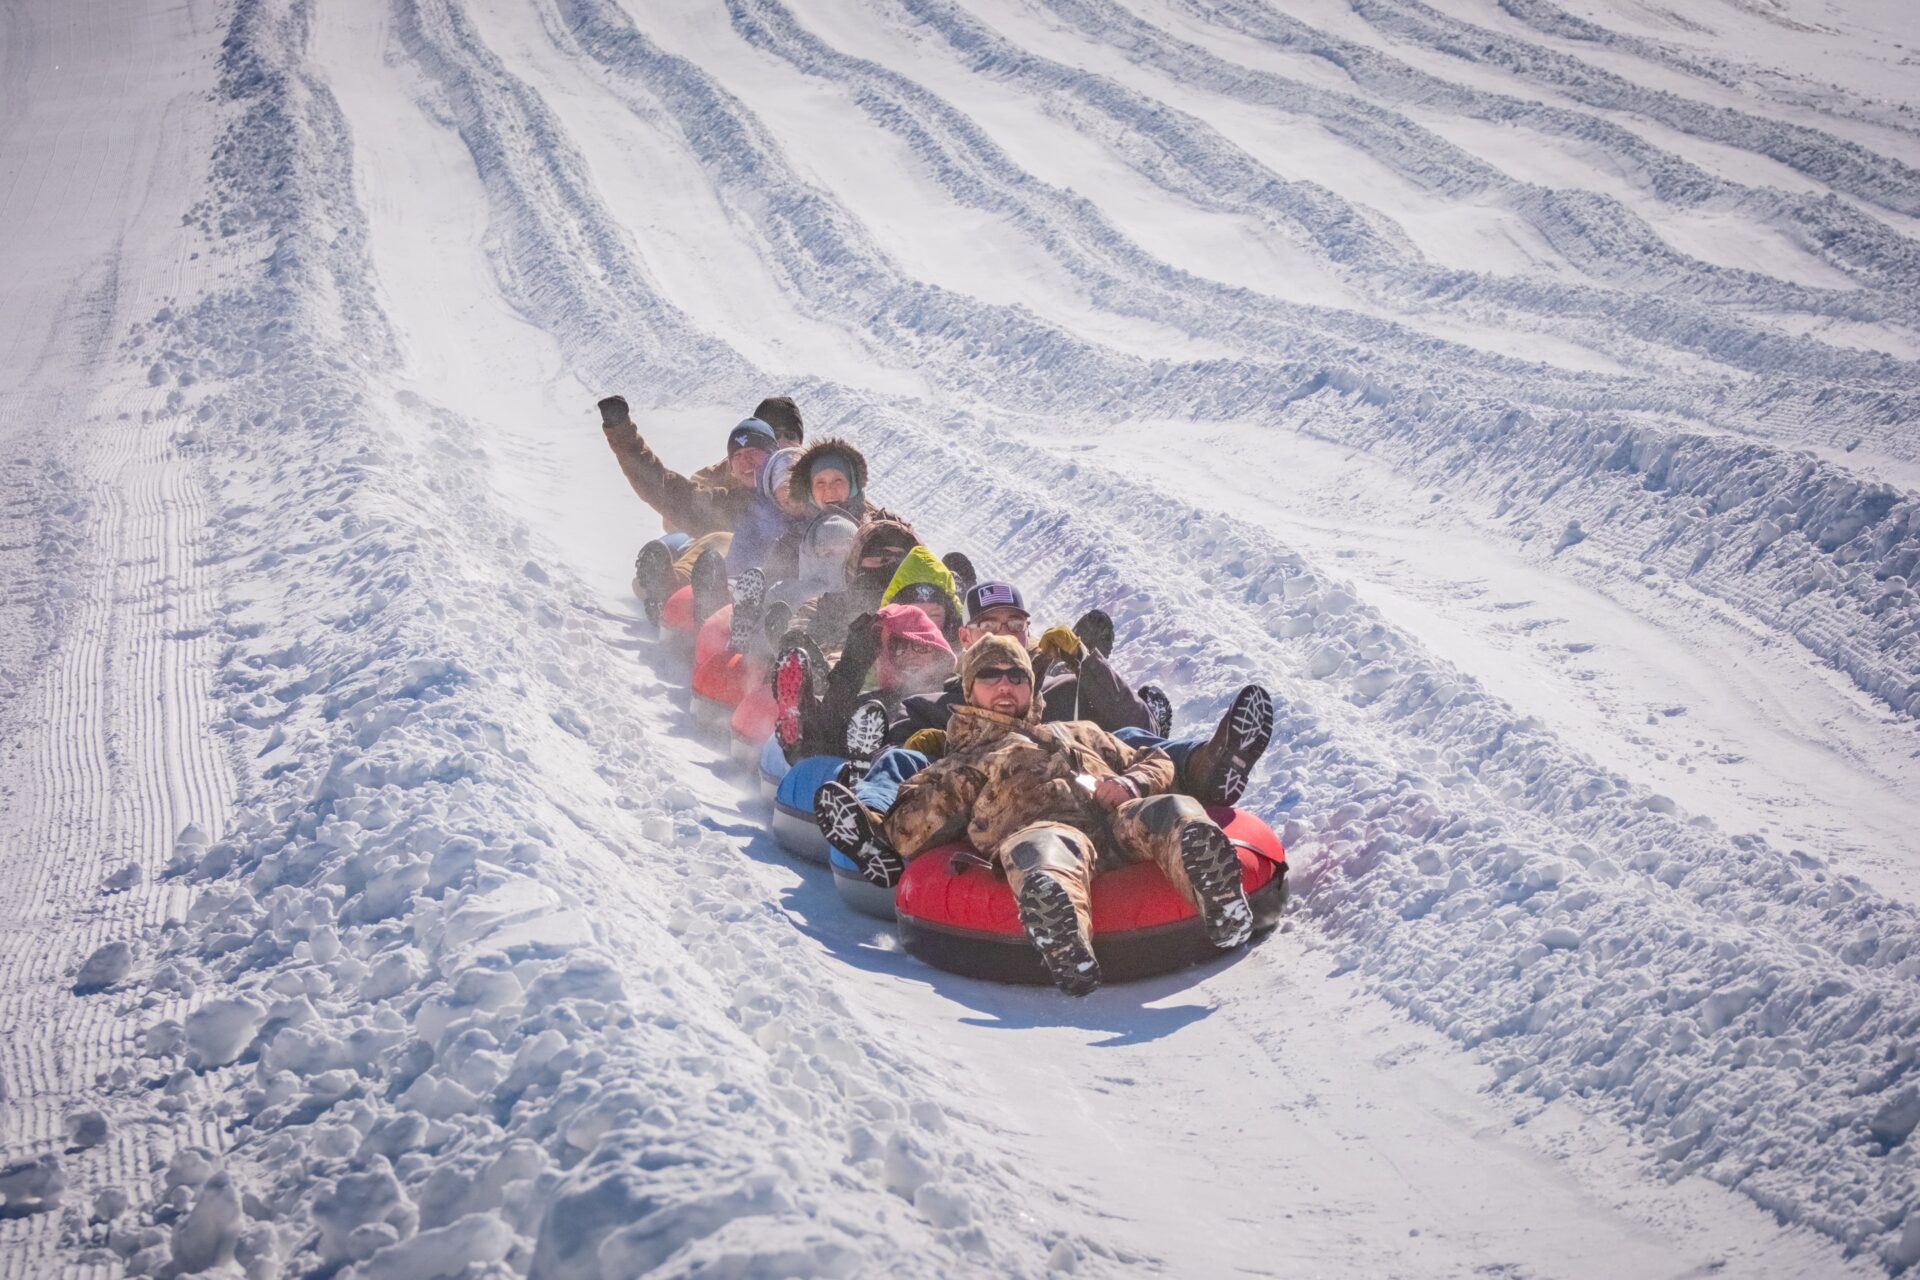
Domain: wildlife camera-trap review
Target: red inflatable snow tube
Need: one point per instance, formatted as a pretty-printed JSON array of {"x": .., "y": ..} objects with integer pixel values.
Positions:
[
  {"x": 753, "y": 719},
  {"x": 722, "y": 679},
  {"x": 960, "y": 916},
  {"x": 677, "y": 613}
]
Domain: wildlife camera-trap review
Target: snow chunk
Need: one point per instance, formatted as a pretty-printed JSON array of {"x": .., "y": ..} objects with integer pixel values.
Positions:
[
  {"x": 31, "y": 1186},
  {"x": 480, "y": 1239},
  {"x": 206, "y": 1236},
  {"x": 220, "y": 1031},
  {"x": 86, "y": 1129},
  {"x": 107, "y": 965},
  {"x": 127, "y": 877}
]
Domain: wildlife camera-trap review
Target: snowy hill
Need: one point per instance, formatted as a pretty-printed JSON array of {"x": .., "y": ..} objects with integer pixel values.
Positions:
[{"x": 1526, "y": 392}]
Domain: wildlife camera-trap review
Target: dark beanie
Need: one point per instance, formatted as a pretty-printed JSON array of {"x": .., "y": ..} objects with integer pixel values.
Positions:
[{"x": 751, "y": 433}]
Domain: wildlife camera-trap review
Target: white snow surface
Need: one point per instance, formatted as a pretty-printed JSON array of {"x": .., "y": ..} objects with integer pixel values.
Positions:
[{"x": 1524, "y": 391}]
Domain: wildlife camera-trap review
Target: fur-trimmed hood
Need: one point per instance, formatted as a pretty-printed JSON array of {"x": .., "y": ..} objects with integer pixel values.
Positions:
[{"x": 800, "y": 480}]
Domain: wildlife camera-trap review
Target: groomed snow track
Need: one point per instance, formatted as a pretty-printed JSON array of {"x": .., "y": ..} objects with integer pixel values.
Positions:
[{"x": 370, "y": 911}]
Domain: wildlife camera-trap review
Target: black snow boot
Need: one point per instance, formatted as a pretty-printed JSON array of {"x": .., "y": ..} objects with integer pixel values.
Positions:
[
  {"x": 748, "y": 591},
  {"x": 1050, "y": 920},
  {"x": 1160, "y": 707},
  {"x": 1218, "y": 770},
  {"x": 1095, "y": 630},
  {"x": 774, "y": 621},
  {"x": 852, "y": 828},
  {"x": 709, "y": 585},
  {"x": 964, "y": 577},
  {"x": 653, "y": 578},
  {"x": 1213, "y": 869},
  {"x": 798, "y": 672},
  {"x": 866, "y": 730}
]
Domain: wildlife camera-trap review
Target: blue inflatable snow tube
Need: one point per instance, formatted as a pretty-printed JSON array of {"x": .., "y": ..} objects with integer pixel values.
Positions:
[
  {"x": 858, "y": 892},
  {"x": 793, "y": 824}
]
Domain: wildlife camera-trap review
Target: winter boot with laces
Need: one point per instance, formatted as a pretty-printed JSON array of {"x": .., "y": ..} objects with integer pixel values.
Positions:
[
  {"x": 795, "y": 677},
  {"x": 1213, "y": 869},
  {"x": 1218, "y": 769},
  {"x": 1047, "y": 913},
  {"x": 748, "y": 590},
  {"x": 851, "y": 827},
  {"x": 1160, "y": 707},
  {"x": 866, "y": 734}
]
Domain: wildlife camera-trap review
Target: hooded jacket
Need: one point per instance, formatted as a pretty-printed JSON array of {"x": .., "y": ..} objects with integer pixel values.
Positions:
[
  {"x": 903, "y": 629},
  {"x": 919, "y": 575},
  {"x": 766, "y": 521},
  {"x": 827, "y": 618},
  {"x": 811, "y": 561},
  {"x": 800, "y": 482},
  {"x": 1002, "y": 774}
]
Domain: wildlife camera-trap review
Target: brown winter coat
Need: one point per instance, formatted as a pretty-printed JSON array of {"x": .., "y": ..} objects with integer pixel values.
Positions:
[
  {"x": 687, "y": 504},
  {"x": 1001, "y": 775}
]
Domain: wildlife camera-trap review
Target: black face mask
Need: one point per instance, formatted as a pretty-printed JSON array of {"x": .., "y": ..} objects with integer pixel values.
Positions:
[{"x": 876, "y": 579}]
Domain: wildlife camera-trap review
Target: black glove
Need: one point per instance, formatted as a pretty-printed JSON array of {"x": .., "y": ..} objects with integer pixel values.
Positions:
[
  {"x": 613, "y": 411},
  {"x": 862, "y": 646}
]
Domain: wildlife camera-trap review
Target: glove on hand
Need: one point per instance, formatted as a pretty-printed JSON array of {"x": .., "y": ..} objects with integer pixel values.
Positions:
[
  {"x": 862, "y": 646},
  {"x": 931, "y": 743},
  {"x": 1060, "y": 644},
  {"x": 613, "y": 411}
]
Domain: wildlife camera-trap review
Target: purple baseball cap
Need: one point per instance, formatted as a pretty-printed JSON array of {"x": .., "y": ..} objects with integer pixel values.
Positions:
[{"x": 994, "y": 595}]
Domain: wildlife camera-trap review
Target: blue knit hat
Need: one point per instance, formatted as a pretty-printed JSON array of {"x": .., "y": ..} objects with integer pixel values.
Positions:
[{"x": 751, "y": 433}]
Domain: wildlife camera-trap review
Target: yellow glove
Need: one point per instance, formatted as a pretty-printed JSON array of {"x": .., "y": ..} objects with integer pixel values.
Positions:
[
  {"x": 931, "y": 743},
  {"x": 1060, "y": 644}
]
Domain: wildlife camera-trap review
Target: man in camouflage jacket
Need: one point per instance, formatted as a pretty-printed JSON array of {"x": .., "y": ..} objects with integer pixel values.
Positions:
[{"x": 1051, "y": 804}]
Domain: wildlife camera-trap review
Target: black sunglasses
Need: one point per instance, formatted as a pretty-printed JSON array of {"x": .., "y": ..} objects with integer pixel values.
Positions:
[{"x": 1014, "y": 676}]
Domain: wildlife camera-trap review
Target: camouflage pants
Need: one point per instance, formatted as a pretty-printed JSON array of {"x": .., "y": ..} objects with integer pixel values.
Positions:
[{"x": 1143, "y": 831}]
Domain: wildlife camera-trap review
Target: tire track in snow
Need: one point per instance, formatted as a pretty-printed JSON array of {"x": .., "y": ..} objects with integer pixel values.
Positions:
[
  {"x": 1192, "y": 160},
  {"x": 1552, "y": 20},
  {"x": 1829, "y": 231},
  {"x": 1839, "y": 163},
  {"x": 1814, "y": 549}
]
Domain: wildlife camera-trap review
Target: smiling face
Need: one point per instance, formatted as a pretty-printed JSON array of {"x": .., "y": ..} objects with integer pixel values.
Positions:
[
  {"x": 744, "y": 464},
  {"x": 829, "y": 486},
  {"x": 1003, "y": 688}
]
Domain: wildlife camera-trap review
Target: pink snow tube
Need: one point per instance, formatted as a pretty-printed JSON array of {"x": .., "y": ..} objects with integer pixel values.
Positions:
[{"x": 959, "y": 916}]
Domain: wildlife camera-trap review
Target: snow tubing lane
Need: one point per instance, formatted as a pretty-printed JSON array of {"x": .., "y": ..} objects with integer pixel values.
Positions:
[
  {"x": 752, "y": 722},
  {"x": 961, "y": 917},
  {"x": 773, "y": 767},
  {"x": 793, "y": 825}
]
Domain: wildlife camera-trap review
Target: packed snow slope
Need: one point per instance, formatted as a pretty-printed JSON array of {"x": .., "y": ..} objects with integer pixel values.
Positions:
[{"x": 1526, "y": 392}]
